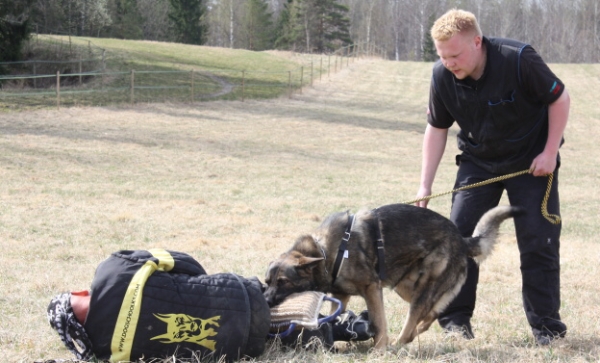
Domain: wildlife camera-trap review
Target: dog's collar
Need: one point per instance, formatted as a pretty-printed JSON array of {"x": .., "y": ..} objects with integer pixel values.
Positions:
[
  {"x": 324, "y": 258},
  {"x": 343, "y": 249}
]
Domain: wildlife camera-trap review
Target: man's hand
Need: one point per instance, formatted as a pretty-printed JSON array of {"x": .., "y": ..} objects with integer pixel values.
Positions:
[
  {"x": 422, "y": 194},
  {"x": 543, "y": 164}
]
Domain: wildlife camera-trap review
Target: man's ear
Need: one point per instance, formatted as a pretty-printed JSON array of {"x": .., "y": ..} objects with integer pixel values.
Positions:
[{"x": 478, "y": 41}]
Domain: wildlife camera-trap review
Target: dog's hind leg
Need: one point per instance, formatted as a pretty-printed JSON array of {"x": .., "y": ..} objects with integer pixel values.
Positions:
[
  {"x": 421, "y": 315},
  {"x": 426, "y": 323},
  {"x": 408, "y": 332}
]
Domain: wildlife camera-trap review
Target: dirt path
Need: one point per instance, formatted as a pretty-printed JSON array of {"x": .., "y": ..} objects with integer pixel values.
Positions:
[{"x": 226, "y": 87}]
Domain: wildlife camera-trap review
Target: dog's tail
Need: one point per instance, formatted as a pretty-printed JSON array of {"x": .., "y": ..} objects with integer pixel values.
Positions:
[{"x": 485, "y": 235}]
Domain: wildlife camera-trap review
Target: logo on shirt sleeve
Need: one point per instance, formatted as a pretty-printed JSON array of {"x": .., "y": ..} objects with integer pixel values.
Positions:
[{"x": 556, "y": 88}]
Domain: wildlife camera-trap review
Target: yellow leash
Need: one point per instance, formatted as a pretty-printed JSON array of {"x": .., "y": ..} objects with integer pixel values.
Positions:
[{"x": 552, "y": 218}]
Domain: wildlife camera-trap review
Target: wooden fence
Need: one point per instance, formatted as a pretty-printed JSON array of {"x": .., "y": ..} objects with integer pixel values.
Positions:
[{"x": 99, "y": 87}]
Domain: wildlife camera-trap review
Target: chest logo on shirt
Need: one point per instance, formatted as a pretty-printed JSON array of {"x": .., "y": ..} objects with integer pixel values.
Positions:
[{"x": 186, "y": 328}]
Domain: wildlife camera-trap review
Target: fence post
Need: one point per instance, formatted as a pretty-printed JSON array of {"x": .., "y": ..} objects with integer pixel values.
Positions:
[
  {"x": 348, "y": 57},
  {"x": 80, "y": 69},
  {"x": 321, "y": 68},
  {"x": 192, "y": 78},
  {"x": 311, "y": 72},
  {"x": 290, "y": 84},
  {"x": 103, "y": 66},
  {"x": 58, "y": 90},
  {"x": 34, "y": 75},
  {"x": 243, "y": 77},
  {"x": 328, "y": 65},
  {"x": 131, "y": 87},
  {"x": 301, "y": 78},
  {"x": 335, "y": 57}
]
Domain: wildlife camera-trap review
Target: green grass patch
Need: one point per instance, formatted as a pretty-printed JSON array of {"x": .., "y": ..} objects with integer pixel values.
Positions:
[{"x": 100, "y": 71}]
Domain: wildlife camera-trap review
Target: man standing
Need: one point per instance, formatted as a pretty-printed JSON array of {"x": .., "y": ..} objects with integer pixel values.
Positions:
[{"x": 512, "y": 111}]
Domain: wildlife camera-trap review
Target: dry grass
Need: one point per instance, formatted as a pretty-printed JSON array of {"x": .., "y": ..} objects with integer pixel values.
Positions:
[{"x": 234, "y": 183}]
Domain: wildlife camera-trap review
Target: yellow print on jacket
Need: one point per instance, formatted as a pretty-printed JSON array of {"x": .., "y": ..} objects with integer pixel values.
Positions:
[{"x": 186, "y": 328}]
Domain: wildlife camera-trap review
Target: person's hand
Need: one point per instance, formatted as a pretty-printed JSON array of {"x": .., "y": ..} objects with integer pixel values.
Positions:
[
  {"x": 543, "y": 165},
  {"x": 422, "y": 193}
]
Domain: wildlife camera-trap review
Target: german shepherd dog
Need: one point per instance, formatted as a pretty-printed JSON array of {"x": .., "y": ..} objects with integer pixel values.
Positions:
[{"x": 425, "y": 262}]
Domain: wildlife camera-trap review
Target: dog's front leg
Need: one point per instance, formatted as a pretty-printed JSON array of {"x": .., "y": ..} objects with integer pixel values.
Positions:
[
  {"x": 374, "y": 298},
  {"x": 343, "y": 298}
]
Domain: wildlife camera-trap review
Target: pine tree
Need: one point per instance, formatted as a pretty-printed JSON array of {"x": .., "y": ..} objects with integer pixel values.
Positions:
[
  {"x": 188, "y": 19},
  {"x": 259, "y": 25},
  {"x": 332, "y": 25},
  {"x": 313, "y": 26},
  {"x": 289, "y": 27},
  {"x": 14, "y": 28},
  {"x": 126, "y": 20},
  {"x": 429, "y": 52}
]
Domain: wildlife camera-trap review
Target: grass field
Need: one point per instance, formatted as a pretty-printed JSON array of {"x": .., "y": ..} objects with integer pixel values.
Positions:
[
  {"x": 234, "y": 183},
  {"x": 103, "y": 71}
]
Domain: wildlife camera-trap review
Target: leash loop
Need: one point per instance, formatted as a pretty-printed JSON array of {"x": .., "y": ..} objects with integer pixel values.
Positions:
[{"x": 552, "y": 218}]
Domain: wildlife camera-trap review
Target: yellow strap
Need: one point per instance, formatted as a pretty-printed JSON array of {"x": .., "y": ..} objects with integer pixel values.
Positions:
[
  {"x": 165, "y": 260},
  {"x": 552, "y": 218},
  {"x": 127, "y": 321}
]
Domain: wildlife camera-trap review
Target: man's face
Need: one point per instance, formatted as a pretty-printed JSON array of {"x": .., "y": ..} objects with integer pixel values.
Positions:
[{"x": 462, "y": 55}]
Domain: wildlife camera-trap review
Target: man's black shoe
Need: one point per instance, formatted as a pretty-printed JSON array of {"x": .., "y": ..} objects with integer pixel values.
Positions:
[
  {"x": 545, "y": 337},
  {"x": 464, "y": 329}
]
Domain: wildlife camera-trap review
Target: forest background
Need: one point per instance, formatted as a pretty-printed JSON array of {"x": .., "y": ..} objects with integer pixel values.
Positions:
[{"x": 562, "y": 31}]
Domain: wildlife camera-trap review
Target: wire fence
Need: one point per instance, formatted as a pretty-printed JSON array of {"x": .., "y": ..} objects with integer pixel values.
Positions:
[{"x": 87, "y": 82}]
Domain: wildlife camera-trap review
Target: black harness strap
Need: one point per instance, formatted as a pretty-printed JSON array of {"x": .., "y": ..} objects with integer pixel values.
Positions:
[
  {"x": 380, "y": 250},
  {"x": 343, "y": 249}
]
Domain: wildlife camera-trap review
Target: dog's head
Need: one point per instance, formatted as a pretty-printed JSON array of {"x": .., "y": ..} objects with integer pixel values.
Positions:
[{"x": 293, "y": 271}]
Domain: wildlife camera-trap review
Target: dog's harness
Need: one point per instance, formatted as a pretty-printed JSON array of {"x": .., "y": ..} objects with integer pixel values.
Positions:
[
  {"x": 380, "y": 249},
  {"x": 343, "y": 249}
]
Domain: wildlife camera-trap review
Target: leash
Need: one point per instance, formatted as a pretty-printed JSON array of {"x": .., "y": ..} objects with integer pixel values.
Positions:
[
  {"x": 343, "y": 248},
  {"x": 552, "y": 218}
]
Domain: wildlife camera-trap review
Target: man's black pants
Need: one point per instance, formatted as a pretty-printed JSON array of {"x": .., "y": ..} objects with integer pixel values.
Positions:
[{"x": 537, "y": 238}]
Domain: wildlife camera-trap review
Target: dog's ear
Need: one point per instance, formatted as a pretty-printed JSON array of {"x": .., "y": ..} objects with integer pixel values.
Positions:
[{"x": 309, "y": 262}]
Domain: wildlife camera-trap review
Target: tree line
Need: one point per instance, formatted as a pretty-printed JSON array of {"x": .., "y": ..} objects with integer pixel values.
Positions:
[{"x": 562, "y": 31}]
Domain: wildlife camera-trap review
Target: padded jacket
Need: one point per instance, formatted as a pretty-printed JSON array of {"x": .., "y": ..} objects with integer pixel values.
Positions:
[{"x": 158, "y": 303}]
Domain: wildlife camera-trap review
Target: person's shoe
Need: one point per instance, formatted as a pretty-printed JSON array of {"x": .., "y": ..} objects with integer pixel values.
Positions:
[
  {"x": 464, "y": 329},
  {"x": 545, "y": 337}
]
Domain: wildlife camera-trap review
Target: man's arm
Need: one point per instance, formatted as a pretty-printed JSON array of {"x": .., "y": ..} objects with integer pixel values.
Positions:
[
  {"x": 434, "y": 144},
  {"x": 558, "y": 114}
]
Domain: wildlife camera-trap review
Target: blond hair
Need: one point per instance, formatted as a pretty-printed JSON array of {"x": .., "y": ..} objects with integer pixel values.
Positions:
[{"x": 453, "y": 22}]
